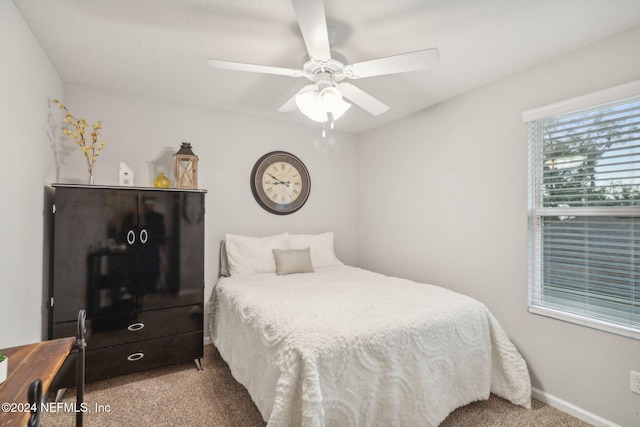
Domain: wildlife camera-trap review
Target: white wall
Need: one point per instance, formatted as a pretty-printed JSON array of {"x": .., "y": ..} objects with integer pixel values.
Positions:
[
  {"x": 27, "y": 81},
  {"x": 443, "y": 199},
  {"x": 139, "y": 130}
]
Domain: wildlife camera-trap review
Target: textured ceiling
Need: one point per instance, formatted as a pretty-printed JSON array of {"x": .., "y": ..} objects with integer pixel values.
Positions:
[{"x": 160, "y": 48}]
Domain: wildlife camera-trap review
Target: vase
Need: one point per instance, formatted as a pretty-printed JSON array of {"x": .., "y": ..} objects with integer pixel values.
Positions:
[
  {"x": 4, "y": 369},
  {"x": 161, "y": 181},
  {"x": 91, "y": 178}
]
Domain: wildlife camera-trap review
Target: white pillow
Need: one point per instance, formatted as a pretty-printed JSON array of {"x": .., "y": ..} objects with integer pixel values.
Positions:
[
  {"x": 321, "y": 245},
  {"x": 253, "y": 255}
]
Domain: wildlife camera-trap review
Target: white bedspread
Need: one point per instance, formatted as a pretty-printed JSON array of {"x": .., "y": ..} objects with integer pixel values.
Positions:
[{"x": 347, "y": 347}]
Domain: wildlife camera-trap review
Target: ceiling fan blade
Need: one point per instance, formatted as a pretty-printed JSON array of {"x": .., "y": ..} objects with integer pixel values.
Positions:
[
  {"x": 290, "y": 105},
  {"x": 362, "y": 99},
  {"x": 402, "y": 63},
  {"x": 265, "y": 69},
  {"x": 313, "y": 25}
]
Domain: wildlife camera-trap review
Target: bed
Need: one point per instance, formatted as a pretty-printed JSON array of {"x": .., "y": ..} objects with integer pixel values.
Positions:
[{"x": 342, "y": 346}]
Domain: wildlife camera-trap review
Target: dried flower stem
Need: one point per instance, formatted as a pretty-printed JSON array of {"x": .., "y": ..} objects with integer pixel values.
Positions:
[{"x": 92, "y": 148}]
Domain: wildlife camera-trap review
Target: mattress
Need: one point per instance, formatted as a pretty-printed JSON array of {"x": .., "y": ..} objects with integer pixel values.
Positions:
[{"x": 345, "y": 346}]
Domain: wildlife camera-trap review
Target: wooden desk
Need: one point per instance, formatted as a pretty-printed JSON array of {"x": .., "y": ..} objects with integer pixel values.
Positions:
[{"x": 26, "y": 363}]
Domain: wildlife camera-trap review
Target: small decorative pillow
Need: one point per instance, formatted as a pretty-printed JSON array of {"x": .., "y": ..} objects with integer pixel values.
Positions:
[
  {"x": 321, "y": 245},
  {"x": 253, "y": 255},
  {"x": 293, "y": 261}
]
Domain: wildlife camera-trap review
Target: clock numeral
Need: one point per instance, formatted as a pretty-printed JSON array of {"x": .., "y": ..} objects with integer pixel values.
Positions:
[
  {"x": 274, "y": 197},
  {"x": 269, "y": 190},
  {"x": 295, "y": 191},
  {"x": 296, "y": 175},
  {"x": 297, "y": 183},
  {"x": 282, "y": 165}
]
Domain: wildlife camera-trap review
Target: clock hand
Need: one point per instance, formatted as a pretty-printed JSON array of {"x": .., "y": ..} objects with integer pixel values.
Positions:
[{"x": 279, "y": 181}]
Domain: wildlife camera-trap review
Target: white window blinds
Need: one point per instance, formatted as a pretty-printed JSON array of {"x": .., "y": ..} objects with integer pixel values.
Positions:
[{"x": 584, "y": 183}]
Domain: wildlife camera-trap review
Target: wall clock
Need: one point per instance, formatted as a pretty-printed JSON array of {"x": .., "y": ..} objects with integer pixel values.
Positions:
[{"x": 280, "y": 182}]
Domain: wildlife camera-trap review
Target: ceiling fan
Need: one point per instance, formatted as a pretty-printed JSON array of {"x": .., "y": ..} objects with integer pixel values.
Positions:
[{"x": 323, "y": 99}]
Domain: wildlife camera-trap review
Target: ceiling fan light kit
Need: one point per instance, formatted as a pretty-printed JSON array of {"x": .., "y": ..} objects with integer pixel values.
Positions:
[
  {"x": 323, "y": 101},
  {"x": 309, "y": 104},
  {"x": 329, "y": 98}
]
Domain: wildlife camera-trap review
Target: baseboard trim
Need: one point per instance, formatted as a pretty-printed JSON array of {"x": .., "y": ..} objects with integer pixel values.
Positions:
[
  {"x": 207, "y": 340},
  {"x": 571, "y": 409}
]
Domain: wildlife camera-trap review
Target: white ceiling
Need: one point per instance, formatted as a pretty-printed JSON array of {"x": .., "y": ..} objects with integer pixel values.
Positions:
[{"x": 159, "y": 48}]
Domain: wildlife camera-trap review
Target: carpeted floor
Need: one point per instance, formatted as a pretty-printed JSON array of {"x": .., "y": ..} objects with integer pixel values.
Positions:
[{"x": 182, "y": 396}]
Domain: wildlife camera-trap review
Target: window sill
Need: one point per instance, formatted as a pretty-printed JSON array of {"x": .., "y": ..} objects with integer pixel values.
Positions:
[{"x": 582, "y": 321}]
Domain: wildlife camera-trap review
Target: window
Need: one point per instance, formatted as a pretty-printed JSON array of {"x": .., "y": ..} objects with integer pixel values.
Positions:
[{"x": 584, "y": 210}]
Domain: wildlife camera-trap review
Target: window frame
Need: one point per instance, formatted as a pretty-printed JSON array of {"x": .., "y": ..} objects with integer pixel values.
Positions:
[{"x": 537, "y": 304}]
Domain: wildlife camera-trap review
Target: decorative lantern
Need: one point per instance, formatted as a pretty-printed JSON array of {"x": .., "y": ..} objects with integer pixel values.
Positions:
[{"x": 186, "y": 167}]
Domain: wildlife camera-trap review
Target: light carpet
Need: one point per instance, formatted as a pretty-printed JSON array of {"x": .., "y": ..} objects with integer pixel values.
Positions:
[{"x": 180, "y": 395}]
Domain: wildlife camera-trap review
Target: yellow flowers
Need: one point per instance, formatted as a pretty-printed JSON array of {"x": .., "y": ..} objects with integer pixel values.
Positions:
[{"x": 91, "y": 147}]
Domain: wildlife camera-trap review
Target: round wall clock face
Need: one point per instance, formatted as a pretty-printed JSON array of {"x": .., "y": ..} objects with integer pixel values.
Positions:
[{"x": 280, "y": 182}]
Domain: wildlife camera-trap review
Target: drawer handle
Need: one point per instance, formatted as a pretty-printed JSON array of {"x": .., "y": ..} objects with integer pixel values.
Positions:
[
  {"x": 135, "y": 356},
  {"x": 136, "y": 326},
  {"x": 131, "y": 237}
]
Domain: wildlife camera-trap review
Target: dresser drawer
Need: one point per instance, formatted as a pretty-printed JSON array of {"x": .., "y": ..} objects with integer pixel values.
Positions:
[
  {"x": 106, "y": 332},
  {"x": 134, "y": 357}
]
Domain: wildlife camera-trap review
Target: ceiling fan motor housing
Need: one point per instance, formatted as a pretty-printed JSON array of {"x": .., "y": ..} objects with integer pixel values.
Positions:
[{"x": 335, "y": 66}]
